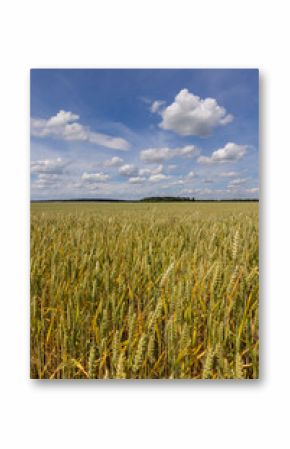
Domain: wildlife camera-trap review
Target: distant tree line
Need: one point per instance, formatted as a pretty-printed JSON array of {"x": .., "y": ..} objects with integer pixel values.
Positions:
[
  {"x": 171, "y": 199},
  {"x": 150, "y": 199}
]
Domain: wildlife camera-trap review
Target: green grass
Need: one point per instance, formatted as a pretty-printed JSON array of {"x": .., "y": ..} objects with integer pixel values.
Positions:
[{"x": 138, "y": 290}]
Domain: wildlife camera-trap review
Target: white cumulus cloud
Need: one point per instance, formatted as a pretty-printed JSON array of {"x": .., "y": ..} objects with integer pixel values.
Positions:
[
  {"x": 253, "y": 190},
  {"x": 231, "y": 152},
  {"x": 172, "y": 167},
  {"x": 178, "y": 182},
  {"x": 128, "y": 170},
  {"x": 61, "y": 118},
  {"x": 64, "y": 126},
  {"x": 237, "y": 182},
  {"x": 95, "y": 177},
  {"x": 156, "y": 105},
  {"x": 157, "y": 178},
  {"x": 46, "y": 181},
  {"x": 192, "y": 174},
  {"x": 49, "y": 166},
  {"x": 151, "y": 171},
  {"x": 156, "y": 155},
  {"x": 114, "y": 162},
  {"x": 228, "y": 174},
  {"x": 192, "y": 115},
  {"x": 137, "y": 180}
]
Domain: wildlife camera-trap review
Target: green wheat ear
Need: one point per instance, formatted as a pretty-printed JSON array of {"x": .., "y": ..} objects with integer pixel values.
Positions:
[
  {"x": 235, "y": 245},
  {"x": 139, "y": 354},
  {"x": 92, "y": 362},
  {"x": 120, "y": 373},
  {"x": 239, "y": 367},
  {"x": 208, "y": 364}
]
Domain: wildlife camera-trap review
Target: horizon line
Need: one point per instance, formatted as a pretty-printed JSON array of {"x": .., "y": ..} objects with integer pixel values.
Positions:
[{"x": 162, "y": 199}]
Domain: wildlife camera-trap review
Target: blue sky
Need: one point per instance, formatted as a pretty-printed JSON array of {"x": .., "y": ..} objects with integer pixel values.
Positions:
[{"x": 132, "y": 133}]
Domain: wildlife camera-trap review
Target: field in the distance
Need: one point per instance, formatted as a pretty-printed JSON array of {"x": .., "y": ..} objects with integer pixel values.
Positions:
[{"x": 139, "y": 290}]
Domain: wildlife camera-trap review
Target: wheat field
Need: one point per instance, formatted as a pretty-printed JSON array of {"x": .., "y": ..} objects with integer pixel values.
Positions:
[{"x": 144, "y": 291}]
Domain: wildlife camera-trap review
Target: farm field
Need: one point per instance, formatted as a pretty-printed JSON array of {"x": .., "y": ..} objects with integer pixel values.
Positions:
[{"x": 144, "y": 291}]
